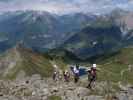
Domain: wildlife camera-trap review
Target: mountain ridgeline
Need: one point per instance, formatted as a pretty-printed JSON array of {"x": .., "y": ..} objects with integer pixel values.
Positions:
[
  {"x": 22, "y": 62},
  {"x": 95, "y": 40},
  {"x": 82, "y": 35}
]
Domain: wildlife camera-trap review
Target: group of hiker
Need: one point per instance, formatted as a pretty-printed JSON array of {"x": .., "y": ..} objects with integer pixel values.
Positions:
[
  {"x": 59, "y": 75},
  {"x": 75, "y": 74}
]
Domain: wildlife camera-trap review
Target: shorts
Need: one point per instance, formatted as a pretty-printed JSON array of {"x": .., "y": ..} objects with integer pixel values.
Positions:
[{"x": 93, "y": 78}]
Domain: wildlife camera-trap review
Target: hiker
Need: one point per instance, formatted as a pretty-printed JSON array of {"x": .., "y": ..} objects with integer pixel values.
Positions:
[
  {"x": 66, "y": 76},
  {"x": 60, "y": 75},
  {"x": 91, "y": 76},
  {"x": 55, "y": 75},
  {"x": 76, "y": 73}
]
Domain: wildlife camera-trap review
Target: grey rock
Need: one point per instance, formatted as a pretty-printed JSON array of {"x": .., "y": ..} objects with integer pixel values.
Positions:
[
  {"x": 81, "y": 92},
  {"x": 38, "y": 89},
  {"x": 123, "y": 96},
  {"x": 130, "y": 91},
  {"x": 93, "y": 97}
]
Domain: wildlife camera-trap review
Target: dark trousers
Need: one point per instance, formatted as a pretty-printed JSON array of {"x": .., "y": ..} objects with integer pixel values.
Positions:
[
  {"x": 76, "y": 78},
  {"x": 92, "y": 79}
]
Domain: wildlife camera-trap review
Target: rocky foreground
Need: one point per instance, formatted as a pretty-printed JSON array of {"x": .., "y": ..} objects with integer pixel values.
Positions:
[{"x": 35, "y": 88}]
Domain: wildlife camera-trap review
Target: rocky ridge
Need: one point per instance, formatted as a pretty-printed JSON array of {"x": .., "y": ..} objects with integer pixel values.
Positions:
[{"x": 36, "y": 88}]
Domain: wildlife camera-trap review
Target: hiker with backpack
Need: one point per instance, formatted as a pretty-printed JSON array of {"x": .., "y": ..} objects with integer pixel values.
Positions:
[
  {"x": 66, "y": 75},
  {"x": 76, "y": 73},
  {"x": 92, "y": 76}
]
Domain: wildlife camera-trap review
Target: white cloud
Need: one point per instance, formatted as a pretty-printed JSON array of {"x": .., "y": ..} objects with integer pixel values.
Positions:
[{"x": 66, "y": 6}]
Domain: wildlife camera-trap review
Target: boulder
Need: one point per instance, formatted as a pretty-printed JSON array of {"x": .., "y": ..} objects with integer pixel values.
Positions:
[
  {"x": 130, "y": 91},
  {"x": 123, "y": 96},
  {"x": 93, "y": 97},
  {"x": 81, "y": 91}
]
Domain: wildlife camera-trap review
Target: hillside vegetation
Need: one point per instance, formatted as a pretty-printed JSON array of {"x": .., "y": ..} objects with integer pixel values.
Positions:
[
  {"x": 19, "y": 61},
  {"x": 118, "y": 68}
]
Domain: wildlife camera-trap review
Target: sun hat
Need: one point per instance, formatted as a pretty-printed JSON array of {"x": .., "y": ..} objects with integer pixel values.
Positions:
[{"x": 94, "y": 65}]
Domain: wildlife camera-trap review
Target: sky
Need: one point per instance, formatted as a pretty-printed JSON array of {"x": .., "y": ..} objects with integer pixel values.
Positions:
[{"x": 66, "y": 6}]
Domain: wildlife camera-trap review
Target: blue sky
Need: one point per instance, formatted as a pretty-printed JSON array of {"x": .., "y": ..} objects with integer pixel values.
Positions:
[{"x": 66, "y": 6}]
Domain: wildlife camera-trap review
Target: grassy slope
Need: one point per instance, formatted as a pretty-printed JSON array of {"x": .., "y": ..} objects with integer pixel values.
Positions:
[
  {"x": 32, "y": 63},
  {"x": 54, "y": 98},
  {"x": 35, "y": 63},
  {"x": 115, "y": 68},
  {"x": 111, "y": 67}
]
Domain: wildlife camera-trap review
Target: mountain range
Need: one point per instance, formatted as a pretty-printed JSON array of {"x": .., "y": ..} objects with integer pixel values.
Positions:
[{"x": 84, "y": 35}]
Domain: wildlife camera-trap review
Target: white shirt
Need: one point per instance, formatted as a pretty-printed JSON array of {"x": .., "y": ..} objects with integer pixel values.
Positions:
[{"x": 76, "y": 70}]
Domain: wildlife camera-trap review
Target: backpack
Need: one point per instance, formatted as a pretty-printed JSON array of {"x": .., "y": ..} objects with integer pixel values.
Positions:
[{"x": 93, "y": 72}]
